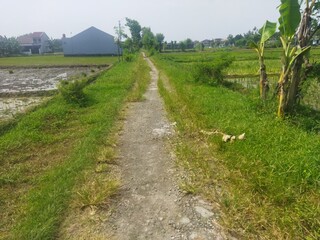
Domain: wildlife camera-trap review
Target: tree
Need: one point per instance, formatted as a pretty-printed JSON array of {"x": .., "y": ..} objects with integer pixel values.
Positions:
[
  {"x": 160, "y": 39},
  {"x": 148, "y": 39},
  {"x": 120, "y": 34},
  {"x": 55, "y": 45},
  {"x": 266, "y": 32},
  {"x": 199, "y": 46},
  {"x": 230, "y": 40},
  {"x": 307, "y": 27},
  {"x": 189, "y": 43},
  {"x": 182, "y": 46},
  {"x": 9, "y": 46},
  {"x": 135, "y": 30},
  {"x": 293, "y": 25}
]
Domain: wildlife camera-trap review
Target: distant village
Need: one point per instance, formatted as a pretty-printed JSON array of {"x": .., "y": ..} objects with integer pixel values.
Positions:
[{"x": 93, "y": 41}]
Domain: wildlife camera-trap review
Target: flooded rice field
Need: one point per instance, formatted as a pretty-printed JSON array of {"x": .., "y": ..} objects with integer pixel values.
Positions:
[
  {"x": 9, "y": 107},
  {"x": 16, "y": 84}
]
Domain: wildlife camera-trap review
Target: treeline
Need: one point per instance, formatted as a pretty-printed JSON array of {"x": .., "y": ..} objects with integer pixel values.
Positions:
[
  {"x": 9, "y": 46},
  {"x": 140, "y": 37}
]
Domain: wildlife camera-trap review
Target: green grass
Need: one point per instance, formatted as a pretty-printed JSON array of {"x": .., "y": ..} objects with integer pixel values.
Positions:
[
  {"x": 44, "y": 153},
  {"x": 268, "y": 185},
  {"x": 52, "y": 60},
  {"x": 245, "y": 61}
]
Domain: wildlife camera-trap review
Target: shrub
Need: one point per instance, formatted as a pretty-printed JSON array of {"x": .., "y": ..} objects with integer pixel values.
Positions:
[
  {"x": 72, "y": 91},
  {"x": 210, "y": 72},
  {"x": 128, "y": 57}
]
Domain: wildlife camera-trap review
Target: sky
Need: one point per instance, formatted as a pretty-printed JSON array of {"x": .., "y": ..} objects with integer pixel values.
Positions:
[{"x": 176, "y": 19}]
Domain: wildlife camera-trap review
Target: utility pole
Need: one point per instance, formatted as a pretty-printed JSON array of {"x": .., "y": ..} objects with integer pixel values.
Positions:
[
  {"x": 119, "y": 31},
  {"x": 120, "y": 40}
]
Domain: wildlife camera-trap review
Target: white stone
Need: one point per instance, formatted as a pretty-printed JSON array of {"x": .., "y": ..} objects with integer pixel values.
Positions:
[{"x": 203, "y": 212}]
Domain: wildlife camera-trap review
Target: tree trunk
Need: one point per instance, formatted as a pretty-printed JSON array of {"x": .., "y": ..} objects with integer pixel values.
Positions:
[
  {"x": 264, "y": 86},
  {"x": 294, "y": 88},
  {"x": 283, "y": 94},
  {"x": 296, "y": 77}
]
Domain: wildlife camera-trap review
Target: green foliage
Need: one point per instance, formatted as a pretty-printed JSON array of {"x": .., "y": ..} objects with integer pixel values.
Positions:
[
  {"x": 129, "y": 57},
  {"x": 72, "y": 91},
  {"x": 148, "y": 39},
  {"x": 55, "y": 45},
  {"x": 210, "y": 72},
  {"x": 289, "y": 17},
  {"x": 159, "y": 40},
  {"x": 9, "y": 46},
  {"x": 267, "y": 31},
  {"x": 135, "y": 30}
]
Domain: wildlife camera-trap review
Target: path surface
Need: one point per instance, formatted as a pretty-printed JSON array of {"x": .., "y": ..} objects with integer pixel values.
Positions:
[{"x": 150, "y": 205}]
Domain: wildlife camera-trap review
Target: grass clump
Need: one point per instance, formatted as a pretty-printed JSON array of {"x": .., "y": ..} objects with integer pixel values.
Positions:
[
  {"x": 211, "y": 73},
  {"x": 72, "y": 91}
]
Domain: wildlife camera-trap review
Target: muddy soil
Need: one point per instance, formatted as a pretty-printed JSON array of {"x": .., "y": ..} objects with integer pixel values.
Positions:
[
  {"x": 11, "y": 106},
  {"x": 31, "y": 81},
  {"x": 37, "y": 79},
  {"x": 150, "y": 204}
]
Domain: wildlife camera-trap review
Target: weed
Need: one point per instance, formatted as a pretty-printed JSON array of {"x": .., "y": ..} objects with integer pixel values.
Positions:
[
  {"x": 72, "y": 91},
  {"x": 96, "y": 191},
  {"x": 210, "y": 72}
]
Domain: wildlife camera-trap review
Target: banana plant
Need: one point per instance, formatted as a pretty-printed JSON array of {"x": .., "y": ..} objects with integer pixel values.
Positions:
[
  {"x": 267, "y": 31},
  {"x": 289, "y": 21}
]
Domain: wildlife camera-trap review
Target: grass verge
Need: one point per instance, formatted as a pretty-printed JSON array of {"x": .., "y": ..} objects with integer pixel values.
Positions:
[
  {"x": 268, "y": 185},
  {"x": 48, "y": 151}
]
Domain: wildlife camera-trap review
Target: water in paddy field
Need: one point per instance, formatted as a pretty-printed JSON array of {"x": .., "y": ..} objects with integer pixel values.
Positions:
[
  {"x": 11, "y": 106},
  {"x": 311, "y": 95},
  {"x": 26, "y": 80},
  {"x": 252, "y": 82}
]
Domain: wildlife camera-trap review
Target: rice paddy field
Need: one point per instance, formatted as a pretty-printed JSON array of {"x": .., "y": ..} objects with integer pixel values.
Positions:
[{"x": 25, "y": 81}]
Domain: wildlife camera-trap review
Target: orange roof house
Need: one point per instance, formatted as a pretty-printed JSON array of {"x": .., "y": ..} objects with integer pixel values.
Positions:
[{"x": 34, "y": 43}]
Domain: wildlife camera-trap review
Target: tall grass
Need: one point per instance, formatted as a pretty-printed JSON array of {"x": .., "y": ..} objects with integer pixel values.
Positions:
[
  {"x": 267, "y": 185},
  {"x": 44, "y": 154}
]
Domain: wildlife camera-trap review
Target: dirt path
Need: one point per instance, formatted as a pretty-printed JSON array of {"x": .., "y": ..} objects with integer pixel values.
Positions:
[{"x": 150, "y": 204}]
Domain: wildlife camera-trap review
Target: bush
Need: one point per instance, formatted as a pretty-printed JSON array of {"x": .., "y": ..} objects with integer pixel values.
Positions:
[
  {"x": 128, "y": 57},
  {"x": 210, "y": 72},
  {"x": 72, "y": 91}
]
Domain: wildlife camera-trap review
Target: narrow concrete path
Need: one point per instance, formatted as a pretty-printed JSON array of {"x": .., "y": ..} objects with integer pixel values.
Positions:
[{"x": 150, "y": 204}]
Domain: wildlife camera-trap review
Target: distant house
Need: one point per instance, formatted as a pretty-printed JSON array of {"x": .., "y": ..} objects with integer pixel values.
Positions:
[
  {"x": 207, "y": 43},
  {"x": 34, "y": 43},
  {"x": 90, "y": 42}
]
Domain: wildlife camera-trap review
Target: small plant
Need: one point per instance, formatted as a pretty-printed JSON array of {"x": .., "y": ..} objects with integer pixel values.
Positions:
[
  {"x": 92, "y": 70},
  {"x": 10, "y": 71},
  {"x": 128, "y": 57},
  {"x": 95, "y": 192},
  {"x": 210, "y": 72},
  {"x": 72, "y": 91}
]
